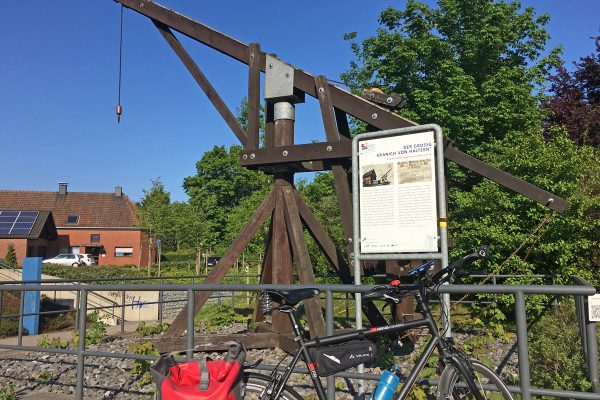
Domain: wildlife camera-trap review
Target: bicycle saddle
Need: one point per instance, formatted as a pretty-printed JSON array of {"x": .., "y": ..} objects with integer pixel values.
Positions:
[{"x": 294, "y": 296}]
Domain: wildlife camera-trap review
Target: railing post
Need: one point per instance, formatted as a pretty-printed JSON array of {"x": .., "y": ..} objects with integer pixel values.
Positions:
[
  {"x": 122, "y": 311},
  {"x": 21, "y": 307},
  {"x": 1, "y": 302},
  {"x": 522, "y": 345},
  {"x": 329, "y": 330},
  {"x": 190, "y": 325},
  {"x": 160, "y": 304},
  {"x": 81, "y": 345},
  {"x": 77, "y": 302}
]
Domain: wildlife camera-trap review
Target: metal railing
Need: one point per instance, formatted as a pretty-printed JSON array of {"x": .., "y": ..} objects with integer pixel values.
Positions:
[{"x": 518, "y": 291}]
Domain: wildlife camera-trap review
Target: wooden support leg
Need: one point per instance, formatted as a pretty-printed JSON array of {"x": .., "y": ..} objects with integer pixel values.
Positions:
[
  {"x": 304, "y": 267},
  {"x": 281, "y": 259},
  {"x": 220, "y": 270},
  {"x": 332, "y": 254}
]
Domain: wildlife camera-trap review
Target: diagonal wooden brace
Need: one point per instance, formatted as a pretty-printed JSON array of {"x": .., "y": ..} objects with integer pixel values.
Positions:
[{"x": 236, "y": 248}]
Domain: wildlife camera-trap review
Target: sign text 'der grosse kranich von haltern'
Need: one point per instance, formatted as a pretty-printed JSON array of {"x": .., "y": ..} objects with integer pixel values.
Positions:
[{"x": 408, "y": 149}]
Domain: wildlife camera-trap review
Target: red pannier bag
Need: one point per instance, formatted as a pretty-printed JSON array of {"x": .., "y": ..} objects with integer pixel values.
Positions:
[{"x": 201, "y": 379}]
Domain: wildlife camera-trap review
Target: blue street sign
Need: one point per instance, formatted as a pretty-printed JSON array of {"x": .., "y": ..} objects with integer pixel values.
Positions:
[{"x": 158, "y": 242}]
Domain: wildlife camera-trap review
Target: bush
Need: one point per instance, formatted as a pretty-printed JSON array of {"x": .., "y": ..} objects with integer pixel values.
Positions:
[
  {"x": 147, "y": 330},
  {"x": 142, "y": 367},
  {"x": 8, "y": 392},
  {"x": 9, "y": 326},
  {"x": 95, "y": 332},
  {"x": 555, "y": 352}
]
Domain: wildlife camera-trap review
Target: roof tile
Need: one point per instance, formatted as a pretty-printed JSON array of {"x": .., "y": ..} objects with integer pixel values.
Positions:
[{"x": 94, "y": 209}]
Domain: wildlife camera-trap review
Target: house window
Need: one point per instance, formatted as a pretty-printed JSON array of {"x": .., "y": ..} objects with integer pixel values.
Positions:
[
  {"x": 72, "y": 219},
  {"x": 95, "y": 238},
  {"x": 123, "y": 251}
]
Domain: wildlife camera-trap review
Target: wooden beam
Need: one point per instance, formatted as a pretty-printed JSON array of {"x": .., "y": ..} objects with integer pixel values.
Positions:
[
  {"x": 505, "y": 179},
  {"x": 354, "y": 105},
  {"x": 304, "y": 267},
  {"x": 179, "y": 325},
  {"x": 202, "y": 81},
  {"x": 340, "y": 176},
  {"x": 281, "y": 259},
  {"x": 296, "y": 153},
  {"x": 253, "y": 128}
]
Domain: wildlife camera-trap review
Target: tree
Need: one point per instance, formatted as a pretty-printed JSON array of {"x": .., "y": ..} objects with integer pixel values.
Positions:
[
  {"x": 11, "y": 256},
  {"x": 220, "y": 184},
  {"x": 575, "y": 103},
  {"x": 475, "y": 68},
  {"x": 470, "y": 66},
  {"x": 156, "y": 214}
]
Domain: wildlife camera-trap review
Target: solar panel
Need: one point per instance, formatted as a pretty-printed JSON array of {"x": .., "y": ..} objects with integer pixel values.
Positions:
[{"x": 17, "y": 222}]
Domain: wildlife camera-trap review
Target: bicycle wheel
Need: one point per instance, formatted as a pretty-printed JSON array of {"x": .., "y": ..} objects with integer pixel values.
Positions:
[
  {"x": 453, "y": 386},
  {"x": 256, "y": 385}
]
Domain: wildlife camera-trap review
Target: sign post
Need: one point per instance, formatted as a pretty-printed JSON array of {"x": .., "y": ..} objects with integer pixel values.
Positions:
[
  {"x": 32, "y": 271},
  {"x": 399, "y": 199}
]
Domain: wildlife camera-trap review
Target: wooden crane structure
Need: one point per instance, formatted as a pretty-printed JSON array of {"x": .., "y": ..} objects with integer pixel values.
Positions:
[{"x": 285, "y": 87}]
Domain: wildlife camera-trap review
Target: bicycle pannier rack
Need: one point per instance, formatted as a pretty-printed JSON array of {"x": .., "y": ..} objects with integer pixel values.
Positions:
[{"x": 337, "y": 358}]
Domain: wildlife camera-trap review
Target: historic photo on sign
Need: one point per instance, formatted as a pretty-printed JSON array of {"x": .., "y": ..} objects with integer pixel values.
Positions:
[
  {"x": 415, "y": 171},
  {"x": 379, "y": 174}
]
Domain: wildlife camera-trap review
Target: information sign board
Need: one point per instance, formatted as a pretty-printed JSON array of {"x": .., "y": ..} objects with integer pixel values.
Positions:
[{"x": 397, "y": 194}]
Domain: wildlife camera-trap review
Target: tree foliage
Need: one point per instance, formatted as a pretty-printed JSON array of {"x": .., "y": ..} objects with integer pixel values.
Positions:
[
  {"x": 469, "y": 65},
  {"x": 475, "y": 67},
  {"x": 11, "y": 256},
  {"x": 575, "y": 101}
]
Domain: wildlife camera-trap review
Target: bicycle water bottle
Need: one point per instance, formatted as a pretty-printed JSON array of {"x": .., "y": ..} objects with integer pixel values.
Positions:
[{"x": 387, "y": 384}]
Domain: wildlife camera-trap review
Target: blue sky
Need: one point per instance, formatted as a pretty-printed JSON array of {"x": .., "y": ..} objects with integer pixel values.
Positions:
[{"x": 58, "y": 82}]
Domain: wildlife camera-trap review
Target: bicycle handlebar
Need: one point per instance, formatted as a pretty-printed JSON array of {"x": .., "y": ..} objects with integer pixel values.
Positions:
[{"x": 418, "y": 277}]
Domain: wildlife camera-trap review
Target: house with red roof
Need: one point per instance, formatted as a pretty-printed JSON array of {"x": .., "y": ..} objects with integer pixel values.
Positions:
[{"x": 45, "y": 224}]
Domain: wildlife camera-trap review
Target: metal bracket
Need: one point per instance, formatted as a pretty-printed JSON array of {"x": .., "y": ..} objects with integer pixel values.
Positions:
[{"x": 279, "y": 82}]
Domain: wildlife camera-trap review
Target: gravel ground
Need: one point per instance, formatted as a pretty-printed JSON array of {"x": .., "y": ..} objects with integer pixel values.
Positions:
[{"x": 107, "y": 378}]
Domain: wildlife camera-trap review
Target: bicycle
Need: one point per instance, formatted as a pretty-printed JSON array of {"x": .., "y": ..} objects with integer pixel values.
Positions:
[{"x": 461, "y": 377}]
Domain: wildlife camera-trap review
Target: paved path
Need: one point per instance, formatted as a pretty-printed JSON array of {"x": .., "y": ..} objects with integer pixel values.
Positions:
[{"x": 129, "y": 329}]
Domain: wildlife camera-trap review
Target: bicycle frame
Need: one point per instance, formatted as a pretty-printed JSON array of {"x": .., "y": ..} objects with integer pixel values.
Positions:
[{"x": 428, "y": 321}]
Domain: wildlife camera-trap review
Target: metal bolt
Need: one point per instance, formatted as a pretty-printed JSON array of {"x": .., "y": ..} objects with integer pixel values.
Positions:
[
  {"x": 245, "y": 157},
  {"x": 270, "y": 66},
  {"x": 371, "y": 95},
  {"x": 252, "y": 56},
  {"x": 389, "y": 100},
  {"x": 252, "y": 156},
  {"x": 329, "y": 148},
  {"x": 285, "y": 153},
  {"x": 550, "y": 200},
  {"x": 287, "y": 74},
  {"x": 374, "y": 115},
  {"x": 141, "y": 5},
  {"x": 321, "y": 90},
  {"x": 287, "y": 190}
]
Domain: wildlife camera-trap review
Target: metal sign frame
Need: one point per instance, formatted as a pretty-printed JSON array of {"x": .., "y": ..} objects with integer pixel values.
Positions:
[{"x": 442, "y": 254}]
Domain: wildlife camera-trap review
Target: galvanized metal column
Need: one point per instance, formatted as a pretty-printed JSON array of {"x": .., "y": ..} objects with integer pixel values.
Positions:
[
  {"x": 522, "y": 345},
  {"x": 81, "y": 345},
  {"x": 329, "y": 328},
  {"x": 189, "y": 354}
]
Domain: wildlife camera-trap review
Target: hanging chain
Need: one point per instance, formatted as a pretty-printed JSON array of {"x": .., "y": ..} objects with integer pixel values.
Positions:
[{"x": 119, "y": 108}]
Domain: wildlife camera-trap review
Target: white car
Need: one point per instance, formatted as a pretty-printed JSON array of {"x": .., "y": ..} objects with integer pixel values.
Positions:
[{"x": 73, "y": 260}]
